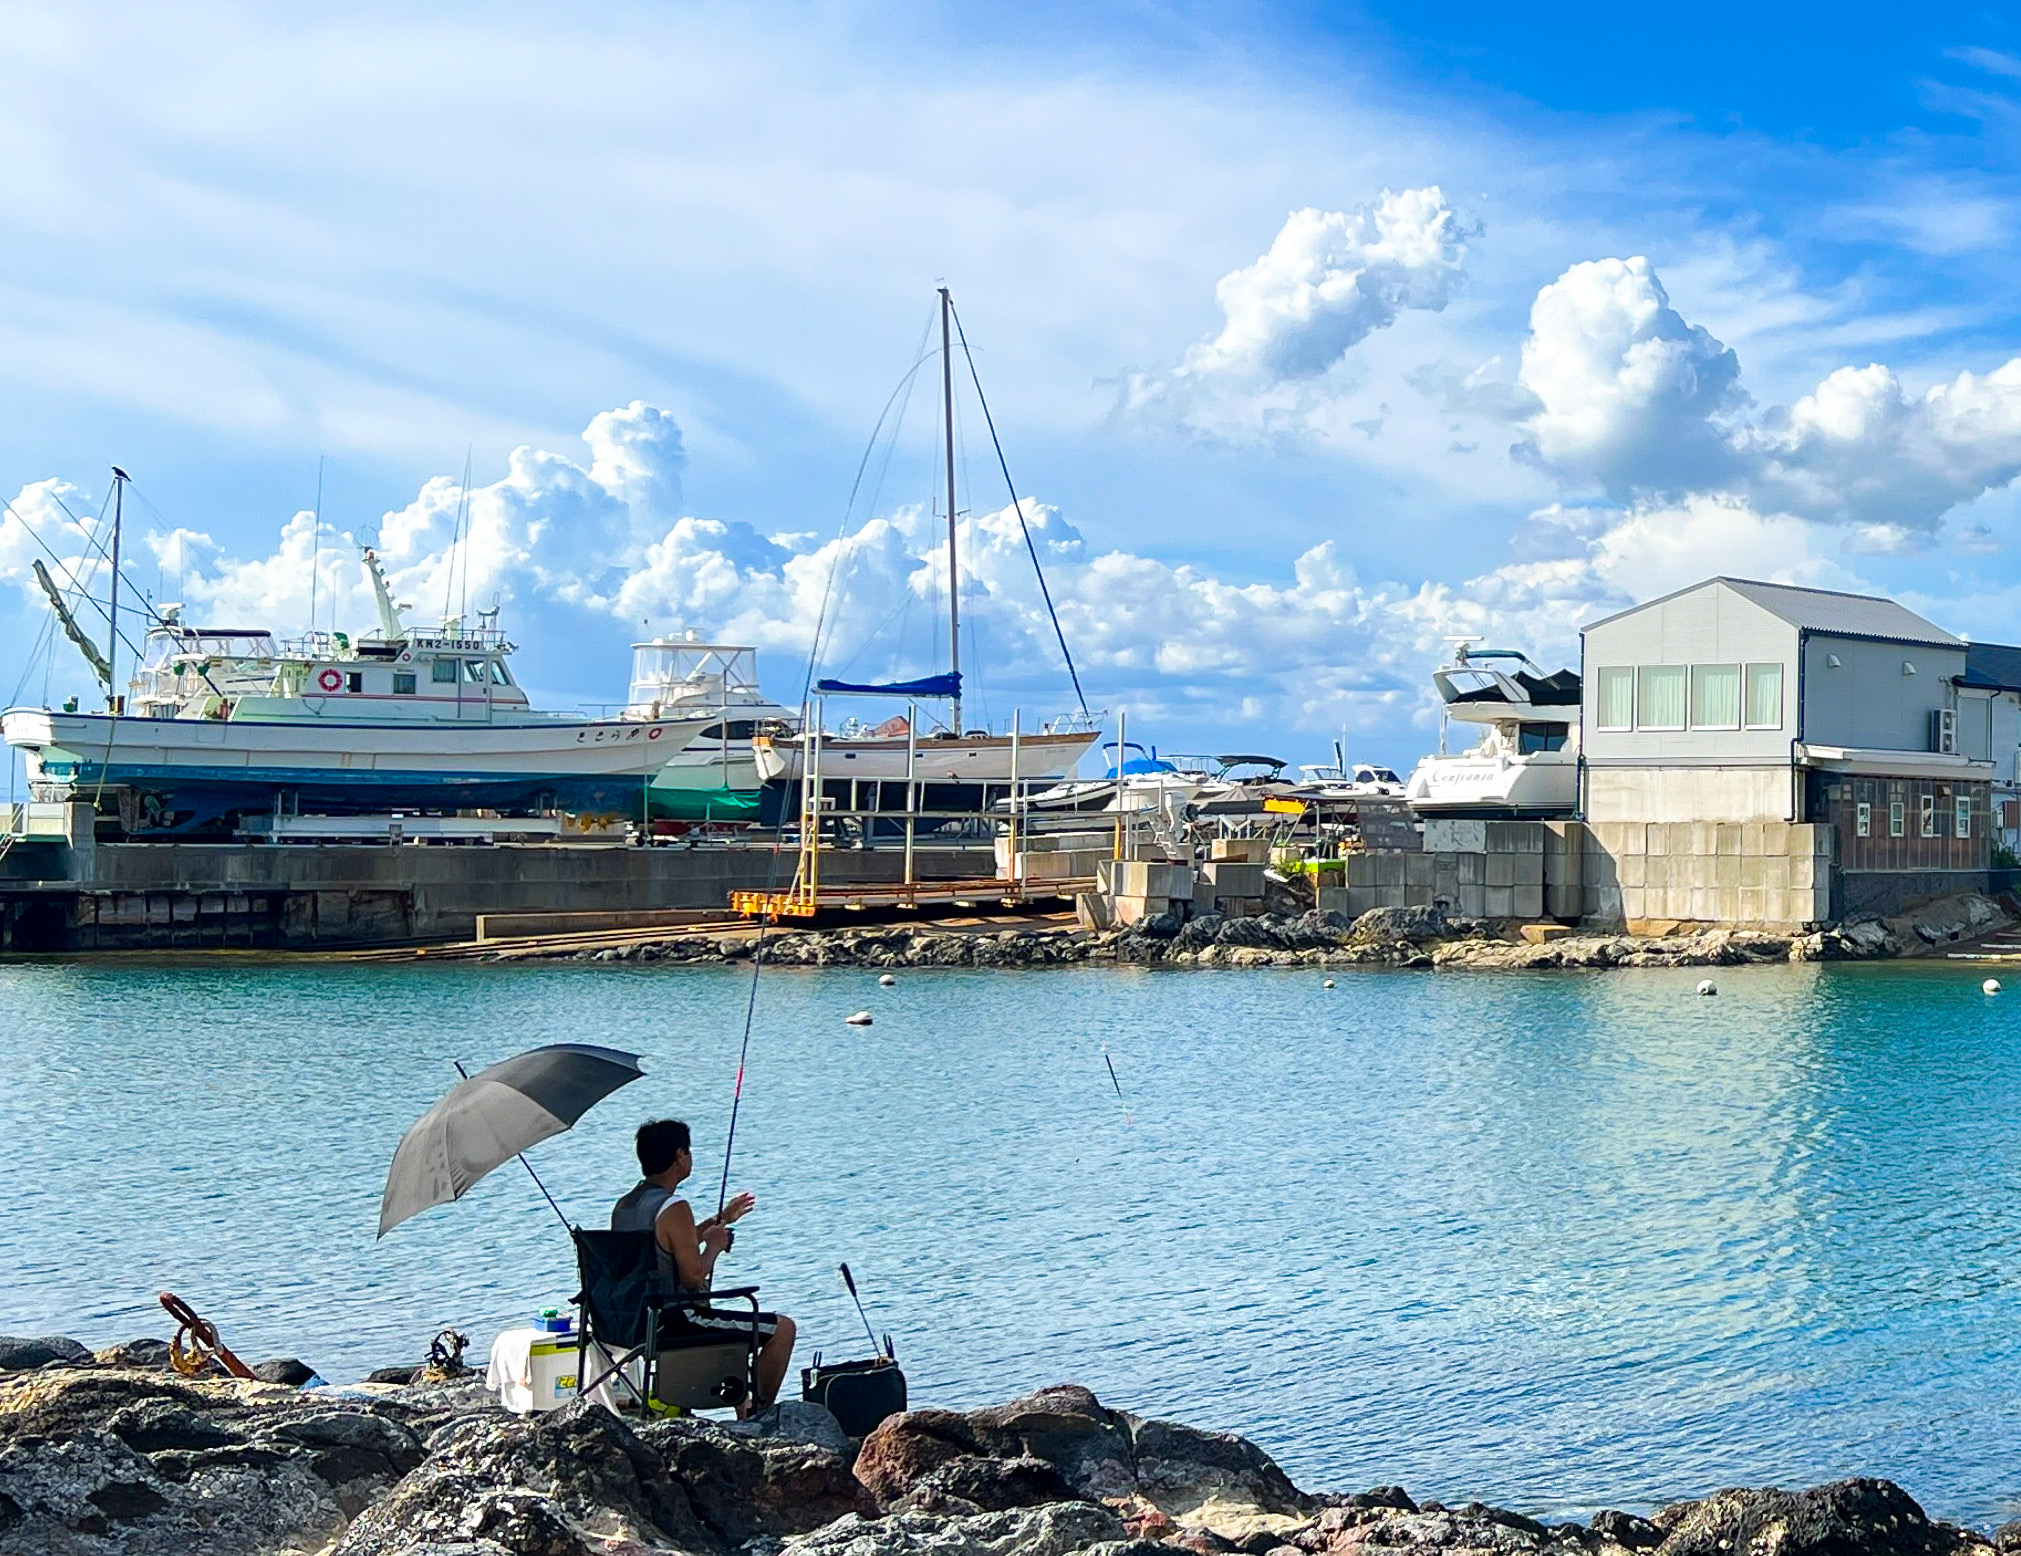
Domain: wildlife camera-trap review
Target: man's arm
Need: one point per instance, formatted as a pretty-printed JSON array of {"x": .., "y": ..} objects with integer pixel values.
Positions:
[{"x": 694, "y": 1246}]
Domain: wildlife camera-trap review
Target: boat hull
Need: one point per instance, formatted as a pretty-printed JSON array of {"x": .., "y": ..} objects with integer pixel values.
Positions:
[
  {"x": 1495, "y": 788},
  {"x": 210, "y": 766},
  {"x": 969, "y": 759}
]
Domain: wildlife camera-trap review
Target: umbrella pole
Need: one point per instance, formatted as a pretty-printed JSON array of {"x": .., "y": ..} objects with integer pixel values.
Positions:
[{"x": 525, "y": 1163}]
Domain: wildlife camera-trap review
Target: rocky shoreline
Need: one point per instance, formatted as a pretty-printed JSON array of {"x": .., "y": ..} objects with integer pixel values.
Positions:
[
  {"x": 116, "y": 1454},
  {"x": 1382, "y": 937}
]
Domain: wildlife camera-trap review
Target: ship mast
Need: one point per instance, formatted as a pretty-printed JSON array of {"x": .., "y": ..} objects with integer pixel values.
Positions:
[
  {"x": 119, "y": 480},
  {"x": 953, "y": 570}
]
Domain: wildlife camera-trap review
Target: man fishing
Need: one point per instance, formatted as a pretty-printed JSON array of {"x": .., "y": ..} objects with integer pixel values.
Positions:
[{"x": 689, "y": 1248}]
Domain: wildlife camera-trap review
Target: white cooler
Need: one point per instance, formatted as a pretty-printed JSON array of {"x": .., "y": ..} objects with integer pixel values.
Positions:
[{"x": 535, "y": 1370}]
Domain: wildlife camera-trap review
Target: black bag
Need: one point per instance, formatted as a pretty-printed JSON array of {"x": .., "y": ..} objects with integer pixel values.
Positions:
[{"x": 859, "y": 1394}]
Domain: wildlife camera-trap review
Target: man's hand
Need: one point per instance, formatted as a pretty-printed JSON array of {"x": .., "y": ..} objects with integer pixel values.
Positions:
[{"x": 738, "y": 1208}]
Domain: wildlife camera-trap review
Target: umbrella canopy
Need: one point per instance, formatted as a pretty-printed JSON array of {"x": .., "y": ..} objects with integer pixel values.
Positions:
[{"x": 494, "y": 1115}]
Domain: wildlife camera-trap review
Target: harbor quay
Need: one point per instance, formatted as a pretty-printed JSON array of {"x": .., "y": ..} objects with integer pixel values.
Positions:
[{"x": 64, "y": 891}]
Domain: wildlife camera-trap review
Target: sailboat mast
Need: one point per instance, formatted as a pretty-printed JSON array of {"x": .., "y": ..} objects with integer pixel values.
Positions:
[
  {"x": 112, "y": 616},
  {"x": 953, "y": 568}
]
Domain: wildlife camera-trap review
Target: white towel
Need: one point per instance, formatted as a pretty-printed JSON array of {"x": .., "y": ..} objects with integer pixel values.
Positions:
[{"x": 511, "y": 1369}]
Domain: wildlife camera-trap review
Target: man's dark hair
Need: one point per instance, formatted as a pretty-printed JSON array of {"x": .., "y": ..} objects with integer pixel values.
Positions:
[{"x": 659, "y": 1139}]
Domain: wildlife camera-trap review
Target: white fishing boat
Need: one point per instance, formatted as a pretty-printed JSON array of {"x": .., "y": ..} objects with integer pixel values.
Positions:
[
  {"x": 396, "y": 719},
  {"x": 715, "y": 776},
  {"x": 1526, "y": 761}
]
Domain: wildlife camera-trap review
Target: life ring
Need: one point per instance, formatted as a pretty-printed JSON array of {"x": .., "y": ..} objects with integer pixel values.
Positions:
[
  {"x": 653, "y": 733},
  {"x": 330, "y": 680}
]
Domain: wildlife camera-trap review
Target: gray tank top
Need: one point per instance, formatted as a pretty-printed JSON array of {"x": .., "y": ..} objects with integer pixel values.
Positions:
[{"x": 638, "y": 1211}]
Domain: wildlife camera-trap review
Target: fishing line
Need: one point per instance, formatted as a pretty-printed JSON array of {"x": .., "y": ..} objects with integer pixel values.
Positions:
[
  {"x": 1127, "y": 1119},
  {"x": 737, "y": 1097}
]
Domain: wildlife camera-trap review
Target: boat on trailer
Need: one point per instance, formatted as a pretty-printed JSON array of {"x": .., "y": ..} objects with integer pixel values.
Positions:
[{"x": 427, "y": 719}]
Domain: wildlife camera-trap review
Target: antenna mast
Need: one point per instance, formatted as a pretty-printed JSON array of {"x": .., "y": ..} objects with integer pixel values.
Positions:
[
  {"x": 119, "y": 480},
  {"x": 953, "y": 571}
]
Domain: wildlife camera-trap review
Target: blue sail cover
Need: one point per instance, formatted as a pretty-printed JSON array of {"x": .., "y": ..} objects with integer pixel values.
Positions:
[{"x": 946, "y": 684}]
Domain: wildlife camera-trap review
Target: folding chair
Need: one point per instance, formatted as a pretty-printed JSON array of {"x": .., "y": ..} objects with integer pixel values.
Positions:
[{"x": 633, "y": 1312}]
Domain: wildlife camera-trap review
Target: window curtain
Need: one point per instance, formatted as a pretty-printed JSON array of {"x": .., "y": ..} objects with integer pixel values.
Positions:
[
  {"x": 1659, "y": 697},
  {"x": 1764, "y": 696},
  {"x": 1715, "y": 696},
  {"x": 1617, "y": 698}
]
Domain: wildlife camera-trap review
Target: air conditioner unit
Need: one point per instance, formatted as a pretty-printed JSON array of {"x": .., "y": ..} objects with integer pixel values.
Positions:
[{"x": 1944, "y": 731}]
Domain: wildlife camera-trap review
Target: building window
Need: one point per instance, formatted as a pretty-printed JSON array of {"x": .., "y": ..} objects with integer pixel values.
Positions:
[
  {"x": 1616, "y": 708},
  {"x": 1764, "y": 696},
  {"x": 1659, "y": 697},
  {"x": 403, "y": 683},
  {"x": 1962, "y": 816},
  {"x": 355, "y": 681},
  {"x": 1896, "y": 818},
  {"x": 442, "y": 672},
  {"x": 1715, "y": 696},
  {"x": 1927, "y": 806},
  {"x": 1863, "y": 819}
]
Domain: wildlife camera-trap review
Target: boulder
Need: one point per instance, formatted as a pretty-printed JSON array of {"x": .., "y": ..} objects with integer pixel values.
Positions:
[
  {"x": 284, "y": 1369},
  {"x": 1208, "y": 1480},
  {"x": 743, "y": 1485},
  {"x": 145, "y": 1353},
  {"x": 18, "y": 1354},
  {"x": 144, "y": 1463},
  {"x": 1408, "y": 924},
  {"x": 1625, "y": 1529},
  {"x": 1845, "y": 1518},
  {"x": 1057, "y": 1529},
  {"x": 547, "y": 1485}
]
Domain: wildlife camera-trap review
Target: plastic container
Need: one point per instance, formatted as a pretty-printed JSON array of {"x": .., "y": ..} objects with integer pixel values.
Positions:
[
  {"x": 551, "y": 1365},
  {"x": 554, "y": 1321}
]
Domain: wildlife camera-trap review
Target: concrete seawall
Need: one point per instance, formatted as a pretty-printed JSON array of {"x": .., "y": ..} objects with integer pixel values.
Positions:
[{"x": 55, "y": 896}]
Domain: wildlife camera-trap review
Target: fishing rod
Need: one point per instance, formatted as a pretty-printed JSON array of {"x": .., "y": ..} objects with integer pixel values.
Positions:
[
  {"x": 737, "y": 1097},
  {"x": 1117, "y": 1084}
]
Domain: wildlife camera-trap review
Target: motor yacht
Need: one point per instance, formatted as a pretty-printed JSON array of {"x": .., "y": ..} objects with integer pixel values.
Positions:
[{"x": 1525, "y": 763}]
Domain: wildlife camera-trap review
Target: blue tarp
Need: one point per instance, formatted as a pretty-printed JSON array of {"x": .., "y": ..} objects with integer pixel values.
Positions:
[{"x": 947, "y": 684}]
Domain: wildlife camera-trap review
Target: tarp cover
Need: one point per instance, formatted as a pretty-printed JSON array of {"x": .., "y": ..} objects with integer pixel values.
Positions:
[{"x": 947, "y": 684}]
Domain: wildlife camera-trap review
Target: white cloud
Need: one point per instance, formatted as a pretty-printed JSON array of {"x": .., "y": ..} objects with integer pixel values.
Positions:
[
  {"x": 1628, "y": 396},
  {"x": 1289, "y": 656},
  {"x": 1329, "y": 280}
]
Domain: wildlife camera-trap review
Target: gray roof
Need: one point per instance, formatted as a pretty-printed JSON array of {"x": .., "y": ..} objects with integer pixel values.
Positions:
[
  {"x": 1822, "y": 610},
  {"x": 1992, "y": 665}
]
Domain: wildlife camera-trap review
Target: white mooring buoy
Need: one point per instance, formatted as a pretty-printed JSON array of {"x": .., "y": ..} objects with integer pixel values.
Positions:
[
  {"x": 886, "y": 981},
  {"x": 1991, "y": 985},
  {"x": 862, "y": 1018},
  {"x": 1328, "y": 984},
  {"x": 1707, "y": 986}
]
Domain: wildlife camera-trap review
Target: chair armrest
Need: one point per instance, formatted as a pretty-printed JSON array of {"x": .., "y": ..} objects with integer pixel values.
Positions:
[{"x": 704, "y": 1298}]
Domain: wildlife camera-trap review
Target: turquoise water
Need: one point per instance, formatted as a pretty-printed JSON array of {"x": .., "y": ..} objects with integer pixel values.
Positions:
[{"x": 1554, "y": 1240}]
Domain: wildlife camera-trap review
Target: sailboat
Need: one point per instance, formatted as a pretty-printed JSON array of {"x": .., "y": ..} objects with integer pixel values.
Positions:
[
  {"x": 952, "y": 755},
  {"x": 428, "y": 718}
]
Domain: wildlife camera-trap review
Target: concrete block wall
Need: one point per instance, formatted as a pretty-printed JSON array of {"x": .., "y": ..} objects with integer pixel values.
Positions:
[
  {"x": 1767, "y": 874},
  {"x": 1637, "y": 875}
]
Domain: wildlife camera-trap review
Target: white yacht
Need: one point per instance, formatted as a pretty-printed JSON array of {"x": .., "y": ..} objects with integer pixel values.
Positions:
[
  {"x": 715, "y": 776},
  {"x": 1338, "y": 781},
  {"x": 1526, "y": 762}
]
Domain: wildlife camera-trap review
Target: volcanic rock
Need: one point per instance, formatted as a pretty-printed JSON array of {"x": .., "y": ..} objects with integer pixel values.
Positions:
[
  {"x": 1199, "y": 1479},
  {"x": 1845, "y": 1518},
  {"x": 18, "y": 1354}
]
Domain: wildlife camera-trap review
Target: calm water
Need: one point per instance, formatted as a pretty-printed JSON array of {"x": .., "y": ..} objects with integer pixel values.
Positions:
[{"x": 1551, "y": 1240}]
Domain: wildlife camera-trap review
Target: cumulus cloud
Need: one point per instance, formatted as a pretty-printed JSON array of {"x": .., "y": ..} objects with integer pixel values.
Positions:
[
  {"x": 1329, "y": 280},
  {"x": 1626, "y": 394},
  {"x": 1616, "y": 392},
  {"x": 1288, "y": 654}
]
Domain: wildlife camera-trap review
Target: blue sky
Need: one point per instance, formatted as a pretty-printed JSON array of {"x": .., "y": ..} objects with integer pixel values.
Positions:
[{"x": 1315, "y": 333}]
